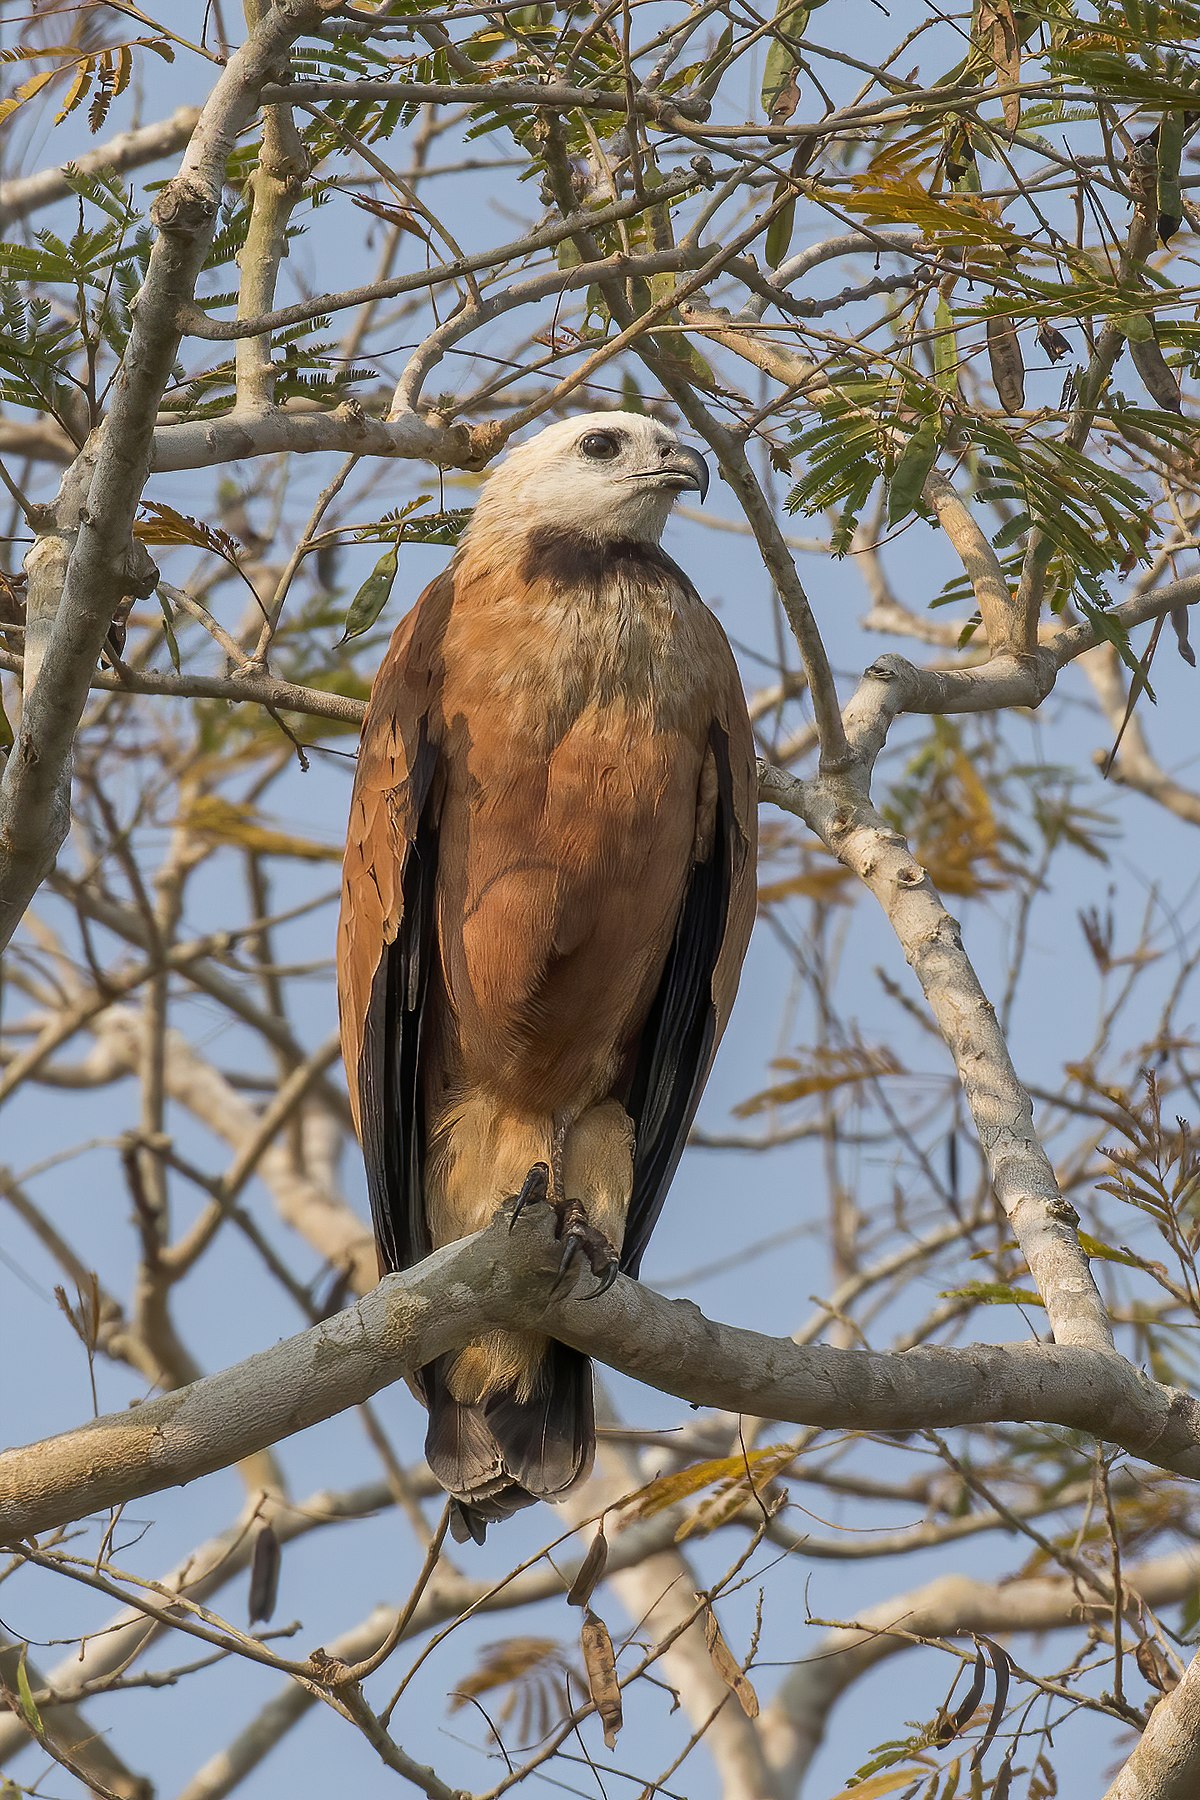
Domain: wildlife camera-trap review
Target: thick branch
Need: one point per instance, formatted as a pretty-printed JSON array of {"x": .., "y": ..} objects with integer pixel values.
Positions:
[
  {"x": 506, "y": 1277},
  {"x": 844, "y": 818},
  {"x": 1166, "y": 1763}
]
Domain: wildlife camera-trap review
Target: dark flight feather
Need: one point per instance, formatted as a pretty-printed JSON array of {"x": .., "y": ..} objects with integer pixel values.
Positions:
[
  {"x": 678, "y": 1041},
  {"x": 393, "y": 1122}
]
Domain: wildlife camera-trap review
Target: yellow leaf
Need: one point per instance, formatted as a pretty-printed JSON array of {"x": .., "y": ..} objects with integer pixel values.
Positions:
[
  {"x": 76, "y": 92},
  {"x": 953, "y": 219},
  {"x": 230, "y": 822},
  {"x": 823, "y": 1071},
  {"x": 729, "y": 1497},
  {"x": 27, "y": 90},
  {"x": 124, "y": 69},
  {"x": 814, "y": 884},
  {"x": 502, "y": 1664},
  {"x": 887, "y": 1783},
  {"x": 668, "y": 1490}
]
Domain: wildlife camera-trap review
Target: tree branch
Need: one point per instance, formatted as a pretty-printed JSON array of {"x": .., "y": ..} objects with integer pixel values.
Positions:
[
  {"x": 505, "y": 1277},
  {"x": 128, "y": 150},
  {"x": 681, "y": 112},
  {"x": 94, "y": 515}
]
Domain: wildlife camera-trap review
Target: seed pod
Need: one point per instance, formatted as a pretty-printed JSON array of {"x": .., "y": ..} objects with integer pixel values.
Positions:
[
  {"x": 264, "y": 1575},
  {"x": 779, "y": 232},
  {"x": 371, "y": 597},
  {"x": 1154, "y": 1667},
  {"x": 1170, "y": 195},
  {"x": 948, "y": 1726},
  {"x": 909, "y": 477},
  {"x": 1141, "y": 171},
  {"x": 591, "y": 1571},
  {"x": 1052, "y": 341},
  {"x": 1158, "y": 380},
  {"x": 945, "y": 348},
  {"x": 1005, "y": 47},
  {"x": 601, "y": 1664},
  {"x": 727, "y": 1666},
  {"x": 1008, "y": 366},
  {"x": 1179, "y": 625}
]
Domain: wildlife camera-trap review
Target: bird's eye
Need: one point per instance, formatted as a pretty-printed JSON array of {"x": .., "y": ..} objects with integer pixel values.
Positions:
[{"x": 600, "y": 446}]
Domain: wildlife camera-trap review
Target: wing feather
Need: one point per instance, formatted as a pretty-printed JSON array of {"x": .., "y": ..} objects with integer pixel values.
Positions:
[
  {"x": 386, "y": 946},
  {"x": 699, "y": 982}
]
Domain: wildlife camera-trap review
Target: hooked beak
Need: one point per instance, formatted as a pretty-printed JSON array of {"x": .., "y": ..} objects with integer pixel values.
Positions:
[
  {"x": 681, "y": 468},
  {"x": 688, "y": 468}
]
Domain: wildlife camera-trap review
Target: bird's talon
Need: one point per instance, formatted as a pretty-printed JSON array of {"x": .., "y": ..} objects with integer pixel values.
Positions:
[
  {"x": 535, "y": 1191},
  {"x": 581, "y": 1240}
]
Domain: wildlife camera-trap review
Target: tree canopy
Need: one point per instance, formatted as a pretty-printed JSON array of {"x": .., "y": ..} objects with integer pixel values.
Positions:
[{"x": 277, "y": 285}]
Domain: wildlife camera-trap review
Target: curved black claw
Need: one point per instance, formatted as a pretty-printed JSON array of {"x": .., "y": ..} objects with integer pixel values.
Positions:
[
  {"x": 581, "y": 1242},
  {"x": 535, "y": 1191}
]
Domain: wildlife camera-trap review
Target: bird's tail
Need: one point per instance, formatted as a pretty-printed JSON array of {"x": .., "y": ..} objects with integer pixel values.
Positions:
[{"x": 514, "y": 1446}]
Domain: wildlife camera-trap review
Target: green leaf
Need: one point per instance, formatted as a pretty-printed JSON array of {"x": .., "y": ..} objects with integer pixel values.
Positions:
[
  {"x": 916, "y": 461},
  {"x": 780, "y": 88},
  {"x": 779, "y": 233},
  {"x": 945, "y": 348},
  {"x": 1189, "y": 1616},
  {"x": 1115, "y": 634},
  {"x": 993, "y": 1293},
  {"x": 33, "y": 1717},
  {"x": 1136, "y": 327},
  {"x": 713, "y": 68},
  {"x": 372, "y": 596},
  {"x": 1092, "y": 1246}
]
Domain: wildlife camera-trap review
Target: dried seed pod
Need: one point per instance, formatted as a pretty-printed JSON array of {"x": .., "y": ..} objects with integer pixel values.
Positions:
[
  {"x": 1052, "y": 341},
  {"x": 727, "y": 1665},
  {"x": 998, "y": 25},
  {"x": 264, "y": 1574},
  {"x": 1154, "y": 1667},
  {"x": 948, "y": 1725},
  {"x": 1179, "y": 625},
  {"x": 591, "y": 1571},
  {"x": 1158, "y": 380},
  {"x": 601, "y": 1664},
  {"x": 1008, "y": 365}
]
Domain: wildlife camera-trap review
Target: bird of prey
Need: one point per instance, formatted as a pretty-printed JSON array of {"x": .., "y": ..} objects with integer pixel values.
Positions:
[{"x": 549, "y": 885}]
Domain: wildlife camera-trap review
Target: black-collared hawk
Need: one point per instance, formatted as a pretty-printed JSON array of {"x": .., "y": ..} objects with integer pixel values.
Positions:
[{"x": 548, "y": 890}]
